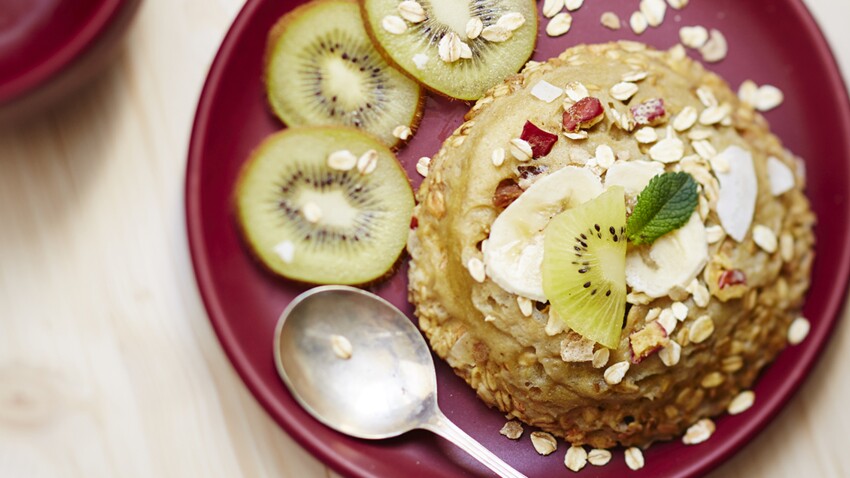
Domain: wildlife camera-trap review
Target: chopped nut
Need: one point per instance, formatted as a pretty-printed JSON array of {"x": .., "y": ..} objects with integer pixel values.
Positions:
[
  {"x": 525, "y": 305},
  {"x": 576, "y": 458},
  {"x": 638, "y": 22},
  {"x": 342, "y": 160},
  {"x": 638, "y": 298},
  {"x": 634, "y": 458},
  {"x": 546, "y": 91},
  {"x": 647, "y": 340},
  {"x": 741, "y": 403},
  {"x": 544, "y": 443},
  {"x": 599, "y": 457},
  {"x": 623, "y": 91},
  {"x": 476, "y": 269},
  {"x": 573, "y": 5},
  {"x": 610, "y": 20},
  {"x": 699, "y": 432},
  {"x": 394, "y": 24},
  {"x": 671, "y": 353},
  {"x": 312, "y": 212},
  {"x": 521, "y": 150},
  {"x": 685, "y": 119},
  {"x": 512, "y": 430},
  {"x": 701, "y": 329},
  {"x": 411, "y": 11},
  {"x": 798, "y": 330},
  {"x": 474, "y": 27},
  {"x": 615, "y": 373},
  {"x": 496, "y": 34},
  {"x": 600, "y": 357},
  {"x": 552, "y": 7},
  {"x": 652, "y": 314},
  {"x": 654, "y": 11},
  {"x": 715, "y": 48},
  {"x": 341, "y": 347},
  {"x": 680, "y": 310},
  {"x": 498, "y": 157},
  {"x": 765, "y": 238},
  {"x": 693, "y": 37},
  {"x": 559, "y": 24},
  {"x": 422, "y": 166},
  {"x": 646, "y": 135},
  {"x": 401, "y": 131}
]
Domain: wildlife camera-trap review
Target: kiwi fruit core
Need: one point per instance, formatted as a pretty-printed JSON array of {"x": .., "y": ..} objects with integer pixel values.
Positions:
[
  {"x": 322, "y": 69},
  {"x": 584, "y": 266},
  {"x": 311, "y": 222},
  {"x": 416, "y": 49}
]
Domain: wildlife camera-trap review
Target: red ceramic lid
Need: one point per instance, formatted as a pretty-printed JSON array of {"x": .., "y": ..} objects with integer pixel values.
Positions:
[{"x": 773, "y": 42}]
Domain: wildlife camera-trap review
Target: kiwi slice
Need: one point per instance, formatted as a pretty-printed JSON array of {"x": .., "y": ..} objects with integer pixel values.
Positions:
[
  {"x": 493, "y": 49},
  {"x": 322, "y": 69},
  {"x": 584, "y": 266},
  {"x": 315, "y": 207}
]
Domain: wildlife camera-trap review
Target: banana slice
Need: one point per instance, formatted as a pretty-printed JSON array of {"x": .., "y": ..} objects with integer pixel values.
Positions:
[
  {"x": 674, "y": 260},
  {"x": 513, "y": 254},
  {"x": 633, "y": 176}
]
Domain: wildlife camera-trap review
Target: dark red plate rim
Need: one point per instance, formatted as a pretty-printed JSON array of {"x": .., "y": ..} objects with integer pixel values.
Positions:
[
  {"x": 737, "y": 431},
  {"x": 66, "y": 53}
]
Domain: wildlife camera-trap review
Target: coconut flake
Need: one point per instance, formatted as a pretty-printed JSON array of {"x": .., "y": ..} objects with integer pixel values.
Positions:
[
  {"x": 738, "y": 189},
  {"x": 781, "y": 177},
  {"x": 546, "y": 91},
  {"x": 286, "y": 251},
  {"x": 633, "y": 176}
]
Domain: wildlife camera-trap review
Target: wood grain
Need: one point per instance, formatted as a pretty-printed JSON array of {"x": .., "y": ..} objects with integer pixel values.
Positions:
[{"x": 108, "y": 365}]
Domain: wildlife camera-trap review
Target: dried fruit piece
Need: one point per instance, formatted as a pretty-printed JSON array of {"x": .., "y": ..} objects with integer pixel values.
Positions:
[
  {"x": 541, "y": 141},
  {"x": 731, "y": 277},
  {"x": 583, "y": 114},
  {"x": 506, "y": 192},
  {"x": 649, "y": 112},
  {"x": 647, "y": 341}
]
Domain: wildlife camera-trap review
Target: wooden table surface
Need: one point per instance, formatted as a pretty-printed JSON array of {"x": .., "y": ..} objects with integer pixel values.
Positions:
[{"x": 108, "y": 364}]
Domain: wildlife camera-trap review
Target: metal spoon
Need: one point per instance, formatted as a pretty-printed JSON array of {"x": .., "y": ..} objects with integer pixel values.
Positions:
[{"x": 386, "y": 387}]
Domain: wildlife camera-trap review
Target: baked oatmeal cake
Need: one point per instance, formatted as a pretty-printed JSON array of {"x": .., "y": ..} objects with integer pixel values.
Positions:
[{"x": 707, "y": 305}]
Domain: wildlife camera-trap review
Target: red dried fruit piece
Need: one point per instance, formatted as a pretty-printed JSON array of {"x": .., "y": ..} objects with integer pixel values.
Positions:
[
  {"x": 541, "y": 141},
  {"x": 583, "y": 114},
  {"x": 528, "y": 174},
  {"x": 730, "y": 278},
  {"x": 414, "y": 222},
  {"x": 506, "y": 192},
  {"x": 650, "y": 112},
  {"x": 647, "y": 341}
]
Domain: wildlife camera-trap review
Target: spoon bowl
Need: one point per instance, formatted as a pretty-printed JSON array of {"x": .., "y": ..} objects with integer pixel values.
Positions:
[{"x": 381, "y": 387}]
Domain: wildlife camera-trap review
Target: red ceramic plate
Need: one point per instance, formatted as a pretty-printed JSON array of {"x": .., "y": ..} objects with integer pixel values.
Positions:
[
  {"x": 773, "y": 42},
  {"x": 48, "y": 47}
]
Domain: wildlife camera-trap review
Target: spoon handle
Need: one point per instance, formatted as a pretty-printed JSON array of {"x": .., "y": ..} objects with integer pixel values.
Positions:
[{"x": 442, "y": 426}]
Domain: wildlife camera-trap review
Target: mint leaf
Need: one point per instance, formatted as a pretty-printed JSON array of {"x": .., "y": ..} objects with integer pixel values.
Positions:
[{"x": 664, "y": 205}]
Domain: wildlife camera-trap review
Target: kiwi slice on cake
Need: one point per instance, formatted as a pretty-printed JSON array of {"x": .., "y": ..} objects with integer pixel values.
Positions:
[
  {"x": 459, "y": 48},
  {"x": 323, "y": 204},
  {"x": 322, "y": 69},
  {"x": 584, "y": 266}
]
